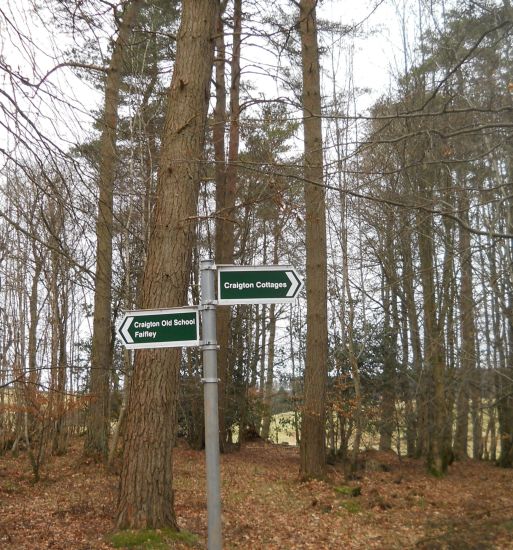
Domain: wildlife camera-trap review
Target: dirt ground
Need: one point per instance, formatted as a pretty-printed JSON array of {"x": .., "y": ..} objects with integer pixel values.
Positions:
[{"x": 264, "y": 505}]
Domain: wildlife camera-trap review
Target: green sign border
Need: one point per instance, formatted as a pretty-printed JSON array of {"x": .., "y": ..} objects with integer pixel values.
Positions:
[
  {"x": 156, "y": 312},
  {"x": 257, "y": 268}
]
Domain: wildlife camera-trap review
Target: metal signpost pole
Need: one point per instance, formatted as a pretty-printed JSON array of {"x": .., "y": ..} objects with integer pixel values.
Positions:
[
  {"x": 210, "y": 381},
  {"x": 178, "y": 327}
]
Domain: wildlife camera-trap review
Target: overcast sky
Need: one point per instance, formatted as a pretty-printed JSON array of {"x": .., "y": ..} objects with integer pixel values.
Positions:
[{"x": 370, "y": 55}]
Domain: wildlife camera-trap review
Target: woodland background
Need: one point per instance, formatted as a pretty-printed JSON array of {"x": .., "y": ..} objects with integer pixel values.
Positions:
[{"x": 397, "y": 208}]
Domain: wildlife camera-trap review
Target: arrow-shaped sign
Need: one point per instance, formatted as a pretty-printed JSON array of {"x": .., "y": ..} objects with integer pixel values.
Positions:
[
  {"x": 160, "y": 328},
  {"x": 263, "y": 284}
]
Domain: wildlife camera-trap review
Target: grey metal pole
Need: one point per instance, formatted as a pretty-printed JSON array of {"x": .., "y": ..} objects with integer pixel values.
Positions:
[{"x": 210, "y": 381}]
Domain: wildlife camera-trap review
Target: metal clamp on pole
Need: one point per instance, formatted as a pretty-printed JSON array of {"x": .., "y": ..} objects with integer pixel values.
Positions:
[
  {"x": 208, "y": 345},
  {"x": 207, "y": 305},
  {"x": 210, "y": 381}
]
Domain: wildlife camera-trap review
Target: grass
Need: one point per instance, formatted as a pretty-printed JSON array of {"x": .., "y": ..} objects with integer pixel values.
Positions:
[
  {"x": 351, "y": 506},
  {"x": 150, "y": 539},
  {"x": 508, "y": 525},
  {"x": 348, "y": 491}
]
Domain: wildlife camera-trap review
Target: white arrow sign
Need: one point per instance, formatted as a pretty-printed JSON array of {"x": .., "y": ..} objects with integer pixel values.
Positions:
[{"x": 295, "y": 283}]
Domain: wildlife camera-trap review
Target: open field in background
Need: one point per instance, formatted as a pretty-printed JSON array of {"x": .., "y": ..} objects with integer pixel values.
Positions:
[
  {"x": 282, "y": 429},
  {"x": 282, "y": 432},
  {"x": 264, "y": 506}
]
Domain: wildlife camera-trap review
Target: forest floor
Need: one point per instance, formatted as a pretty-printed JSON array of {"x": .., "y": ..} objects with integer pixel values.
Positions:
[{"x": 264, "y": 505}]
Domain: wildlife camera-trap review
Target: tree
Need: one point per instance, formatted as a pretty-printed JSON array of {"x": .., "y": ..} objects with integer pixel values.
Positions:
[
  {"x": 468, "y": 386},
  {"x": 146, "y": 493},
  {"x": 96, "y": 442},
  {"x": 313, "y": 459},
  {"x": 226, "y": 188}
]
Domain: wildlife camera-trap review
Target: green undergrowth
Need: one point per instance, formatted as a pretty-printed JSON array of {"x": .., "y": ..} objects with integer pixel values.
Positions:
[
  {"x": 352, "y": 506},
  {"x": 508, "y": 525},
  {"x": 348, "y": 491},
  {"x": 350, "y": 502},
  {"x": 151, "y": 539}
]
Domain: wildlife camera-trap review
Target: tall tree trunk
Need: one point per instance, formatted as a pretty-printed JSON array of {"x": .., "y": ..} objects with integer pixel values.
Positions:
[
  {"x": 406, "y": 385},
  {"x": 31, "y": 384},
  {"x": 387, "y": 422},
  {"x": 59, "y": 442},
  {"x": 146, "y": 493},
  {"x": 223, "y": 227},
  {"x": 353, "y": 365},
  {"x": 390, "y": 334},
  {"x": 313, "y": 440},
  {"x": 96, "y": 441},
  {"x": 268, "y": 388},
  {"x": 226, "y": 188},
  {"x": 437, "y": 458},
  {"x": 468, "y": 343},
  {"x": 54, "y": 395},
  {"x": 256, "y": 348},
  {"x": 505, "y": 386},
  {"x": 504, "y": 397},
  {"x": 416, "y": 420}
]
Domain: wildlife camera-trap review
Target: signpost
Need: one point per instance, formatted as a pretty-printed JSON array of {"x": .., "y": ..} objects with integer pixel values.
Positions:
[
  {"x": 160, "y": 328},
  {"x": 164, "y": 328},
  {"x": 210, "y": 399},
  {"x": 265, "y": 284}
]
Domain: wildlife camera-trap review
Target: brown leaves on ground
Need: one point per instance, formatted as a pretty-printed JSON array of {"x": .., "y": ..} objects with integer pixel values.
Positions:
[{"x": 265, "y": 507}]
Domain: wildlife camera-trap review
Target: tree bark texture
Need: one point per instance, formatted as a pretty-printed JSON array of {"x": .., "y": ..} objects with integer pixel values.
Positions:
[
  {"x": 505, "y": 375},
  {"x": 312, "y": 450},
  {"x": 437, "y": 455},
  {"x": 146, "y": 494},
  {"x": 226, "y": 189},
  {"x": 468, "y": 344},
  {"x": 96, "y": 441},
  {"x": 390, "y": 335},
  {"x": 416, "y": 419},
  {"x": 269, "y": 379},
  {"x": 222, "y": 228},
  {"x": 268, "y": 388}
]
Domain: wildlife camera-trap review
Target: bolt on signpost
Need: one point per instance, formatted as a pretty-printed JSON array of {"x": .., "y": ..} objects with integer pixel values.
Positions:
[{"x": 176, "y": 327}]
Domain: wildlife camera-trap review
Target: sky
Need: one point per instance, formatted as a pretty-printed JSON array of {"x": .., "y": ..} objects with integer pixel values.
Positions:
[
  {"x": 61, "y": 106},
  {"x": 364, "y": 60},
  {"x": 64, "y": 106},
  {"x": 376, "y": 43}
]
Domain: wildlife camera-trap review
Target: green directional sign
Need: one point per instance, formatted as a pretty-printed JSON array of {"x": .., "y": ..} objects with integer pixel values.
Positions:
[
  {"x": 263, "y": 284},
  {"x": 160, "y": 328}
]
